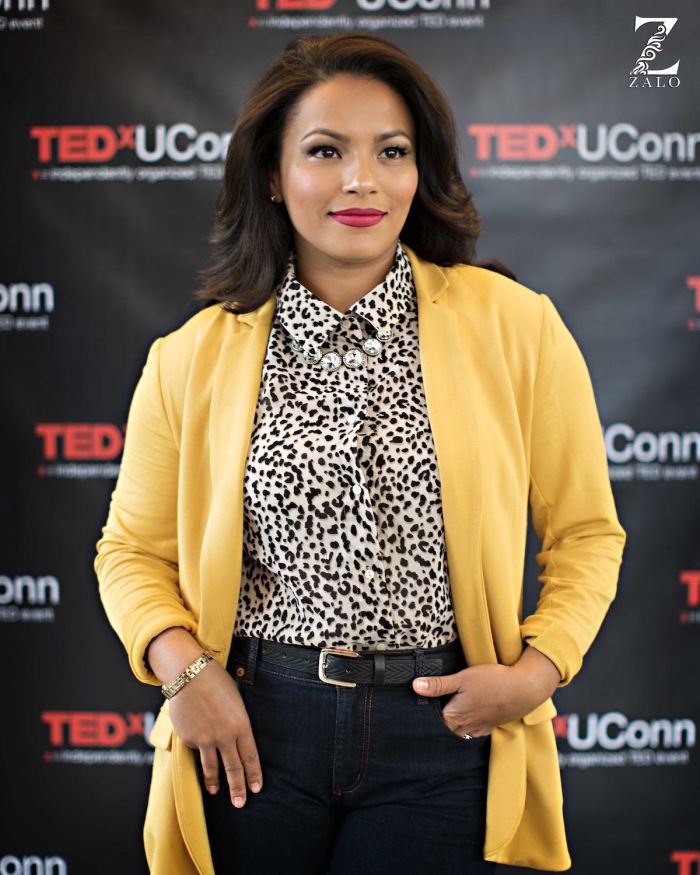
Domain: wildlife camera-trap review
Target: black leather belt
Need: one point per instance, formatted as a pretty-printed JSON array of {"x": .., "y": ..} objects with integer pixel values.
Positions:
[{"x": 347, "y": 668}]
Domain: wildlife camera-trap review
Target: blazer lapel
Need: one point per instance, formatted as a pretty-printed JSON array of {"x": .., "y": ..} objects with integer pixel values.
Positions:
[{"x": 447, "y": 369}]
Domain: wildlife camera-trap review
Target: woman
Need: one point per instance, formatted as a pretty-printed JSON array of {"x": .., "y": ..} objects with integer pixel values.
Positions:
[{"x": 317, "y": 536}]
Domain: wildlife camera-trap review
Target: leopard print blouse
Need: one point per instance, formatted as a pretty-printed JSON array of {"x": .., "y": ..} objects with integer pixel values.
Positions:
[{"x": 344, "y": 543}]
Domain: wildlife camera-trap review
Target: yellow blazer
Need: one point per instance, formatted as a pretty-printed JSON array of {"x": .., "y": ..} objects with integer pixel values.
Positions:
[{"x": 514, "y": 422}]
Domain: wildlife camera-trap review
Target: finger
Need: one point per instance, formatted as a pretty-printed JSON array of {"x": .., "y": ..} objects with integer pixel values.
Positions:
[
  {"x": 451, "y": 724},
  {"x": 235, "y": 777},
  {"x": 455, "y": 723},
  {"x": 474, "y": 733},
  {"x": 248, "y": 754},
  {"x": 441, "y": 685},
  {"x": 470, "y": 729},
  {"x": 210, "y": 768},
  {"x": 459, "y": 729}
]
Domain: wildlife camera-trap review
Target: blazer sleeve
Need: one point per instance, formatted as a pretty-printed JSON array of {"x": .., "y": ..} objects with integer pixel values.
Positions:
[
  {"x": 571, "y": 503},
  {"x": 137, "y": 556}
]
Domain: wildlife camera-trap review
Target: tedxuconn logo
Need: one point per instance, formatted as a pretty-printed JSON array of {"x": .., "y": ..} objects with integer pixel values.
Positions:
[
  {"x": 99, "y": 737},
  {"x": 80, "y": 450},
  {"x": 21, "y": 20},
  {"x": 650, "y": 455},
  {"x": 32, "y": 865},
  {"x": 24, "y": 5},
  {"x": 370, "y": 5},
  {"x": 693, "y": 283},
  {"x": 690, "y": 579},
  {"x": 85, "y": 153},
  {"x": 688, "y": 862},
  {"x": 373, "y": 14},
  {"x": 25, "y": 598},
  {"x": 612, "y": 739},
  {"x": 25, "y": 306},
  {"x": 642, "y": 74}
]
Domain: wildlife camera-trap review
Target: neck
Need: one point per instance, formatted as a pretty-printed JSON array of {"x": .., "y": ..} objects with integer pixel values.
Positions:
[{"x": 341, "y": 286}]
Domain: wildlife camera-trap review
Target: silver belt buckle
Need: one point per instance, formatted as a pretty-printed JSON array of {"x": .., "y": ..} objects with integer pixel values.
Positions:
[{"x": 323, "y": 656}]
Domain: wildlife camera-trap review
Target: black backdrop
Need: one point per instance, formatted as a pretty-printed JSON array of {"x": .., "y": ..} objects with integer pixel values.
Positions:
[{"x": 114, "y": 121}]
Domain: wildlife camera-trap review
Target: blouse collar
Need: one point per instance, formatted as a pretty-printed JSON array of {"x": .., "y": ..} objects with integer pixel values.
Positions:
[{"x": 311, "y": 322}]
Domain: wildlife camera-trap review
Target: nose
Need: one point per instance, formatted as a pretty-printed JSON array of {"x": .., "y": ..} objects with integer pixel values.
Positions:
[{"x": 360, "y": 177}]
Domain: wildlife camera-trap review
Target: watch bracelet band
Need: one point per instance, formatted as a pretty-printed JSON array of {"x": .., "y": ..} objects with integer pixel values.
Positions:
[{"x": 170, "y": 690}]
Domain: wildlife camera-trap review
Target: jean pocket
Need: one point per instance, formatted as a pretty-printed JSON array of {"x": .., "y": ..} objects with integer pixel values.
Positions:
[{"x": 436, "y": 706}]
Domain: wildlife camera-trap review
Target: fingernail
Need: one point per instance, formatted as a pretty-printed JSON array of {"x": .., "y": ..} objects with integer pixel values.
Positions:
[
  {"x": 239, "y": 801},
  {"x": 422, "y": 684},
  {"x": 213, "y": 789},
  {"x": 255, "y": 787}
]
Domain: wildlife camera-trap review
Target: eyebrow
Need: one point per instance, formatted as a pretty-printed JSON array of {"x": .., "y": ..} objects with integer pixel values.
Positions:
[{"x": 380, "y": 138}]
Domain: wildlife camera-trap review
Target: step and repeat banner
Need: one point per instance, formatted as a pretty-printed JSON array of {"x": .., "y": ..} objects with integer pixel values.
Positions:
[{"x": 580, "y": 133}]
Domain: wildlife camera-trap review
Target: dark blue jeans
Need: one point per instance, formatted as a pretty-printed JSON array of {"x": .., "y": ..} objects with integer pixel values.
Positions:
[{"x": 356, "y": 781}]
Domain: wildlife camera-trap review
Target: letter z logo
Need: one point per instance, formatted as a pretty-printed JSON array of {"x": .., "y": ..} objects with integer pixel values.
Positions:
[{"x": 653, "y": 47}]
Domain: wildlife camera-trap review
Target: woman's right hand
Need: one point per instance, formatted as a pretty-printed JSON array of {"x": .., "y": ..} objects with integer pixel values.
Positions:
[{"x": 209, "y": 715}]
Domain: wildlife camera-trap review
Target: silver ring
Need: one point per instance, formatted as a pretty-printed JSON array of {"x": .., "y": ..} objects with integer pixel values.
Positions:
[{"x": 467, "y": 737}]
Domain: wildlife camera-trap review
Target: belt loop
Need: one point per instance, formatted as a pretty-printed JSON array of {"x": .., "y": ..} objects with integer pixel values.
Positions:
[
  {"x": 379, "y": 669},
  {"x": 420, "y": 668},
  {"x": 251, "y": 661}
]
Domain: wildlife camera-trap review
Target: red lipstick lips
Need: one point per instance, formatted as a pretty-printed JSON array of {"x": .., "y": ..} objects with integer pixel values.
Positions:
[{"x": 358, "y": 218}]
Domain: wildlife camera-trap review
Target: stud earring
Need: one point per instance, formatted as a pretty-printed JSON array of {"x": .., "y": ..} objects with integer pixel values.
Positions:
[{"x": 273, "y": 198}]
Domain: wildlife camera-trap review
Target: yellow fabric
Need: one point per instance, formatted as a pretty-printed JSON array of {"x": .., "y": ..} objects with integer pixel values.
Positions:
[{"x": 514, "y": 421}]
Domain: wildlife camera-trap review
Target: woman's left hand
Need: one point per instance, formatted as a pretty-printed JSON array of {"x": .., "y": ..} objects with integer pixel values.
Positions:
[{"x": 486, "y": 696}]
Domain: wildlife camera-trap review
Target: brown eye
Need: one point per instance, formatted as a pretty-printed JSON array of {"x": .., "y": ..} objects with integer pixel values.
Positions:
[
  {"x": 323, "y": 152},
  {"x": 395, "y": 151}
]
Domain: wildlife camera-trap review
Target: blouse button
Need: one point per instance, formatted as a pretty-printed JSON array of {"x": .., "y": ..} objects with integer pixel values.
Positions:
[
  {"x": 356, "y": 490},
  {"x": 369, "y": 574},
  {"x": 351, "y": 419}
]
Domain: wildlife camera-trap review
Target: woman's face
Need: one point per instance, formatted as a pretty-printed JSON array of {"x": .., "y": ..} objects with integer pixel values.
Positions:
[{"x": 347, "y": 173}]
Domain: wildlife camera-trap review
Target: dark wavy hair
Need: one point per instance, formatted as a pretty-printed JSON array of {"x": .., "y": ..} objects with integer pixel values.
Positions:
[{"x": 252, "y": 236}]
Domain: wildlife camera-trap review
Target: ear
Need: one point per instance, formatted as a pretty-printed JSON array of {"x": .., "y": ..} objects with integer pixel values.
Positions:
[{"x": 275, "y": 187}]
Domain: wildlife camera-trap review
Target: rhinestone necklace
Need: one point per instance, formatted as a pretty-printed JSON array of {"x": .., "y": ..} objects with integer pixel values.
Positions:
[{"x": 353, "y": 358}]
